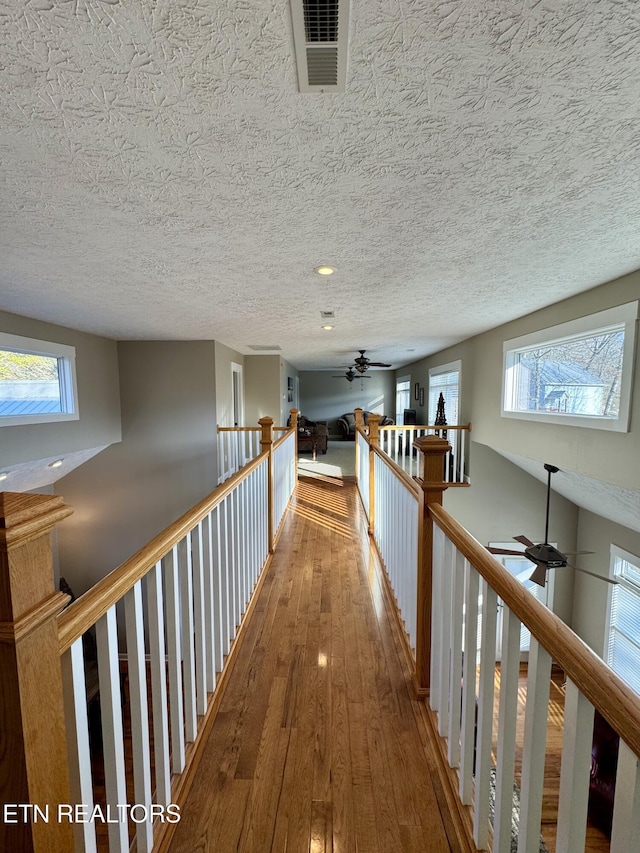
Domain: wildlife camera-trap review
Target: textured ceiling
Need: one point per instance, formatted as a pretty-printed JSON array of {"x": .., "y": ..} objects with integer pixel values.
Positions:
[{"x": 163, "y": 177}]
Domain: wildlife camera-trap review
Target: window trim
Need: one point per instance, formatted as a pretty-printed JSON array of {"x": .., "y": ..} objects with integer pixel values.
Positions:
[
  {"x": 616, "y": 552},
  {"x": 627, "y": 314},
  {"x": 67, "y": 378},
  {"x": 446, "y": 368}
]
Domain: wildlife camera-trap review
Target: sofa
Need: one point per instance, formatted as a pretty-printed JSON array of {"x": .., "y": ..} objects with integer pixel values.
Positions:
[
  {"x": 312, "y": 435},
  {"x": 347, "y": 424}
]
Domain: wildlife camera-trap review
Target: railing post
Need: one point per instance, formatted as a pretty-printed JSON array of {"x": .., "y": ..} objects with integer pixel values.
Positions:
[
  {"x": 266, "y": 443},
  {"x": 358, "y": 416},
  {"x": 374, "y": 441},
  {"x": 433, "y": 451},
  {"x": 32, "y": 727}
]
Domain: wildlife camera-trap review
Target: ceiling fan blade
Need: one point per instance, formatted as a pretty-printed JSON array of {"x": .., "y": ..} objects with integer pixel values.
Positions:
[
  {"x": 524, "y": 541},
  {"x": 593, "y": 574},
  {"x": 505, "y": 551},
  {"x": 539, "y": 575},
  {"x": 377, "y": 364}
]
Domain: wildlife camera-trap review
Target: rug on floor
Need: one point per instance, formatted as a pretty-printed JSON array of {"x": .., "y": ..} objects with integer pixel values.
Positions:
[{"x": 515, "y": 813}]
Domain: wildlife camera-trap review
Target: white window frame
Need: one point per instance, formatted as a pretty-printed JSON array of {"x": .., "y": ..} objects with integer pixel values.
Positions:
[
  {"x": 66, "y": 356},
  {"x": 617, "y": 553},
  {"x": 401, "y": 380},
  {"x": 436, "y": 371},
  {"x": 622, "y": 314}
]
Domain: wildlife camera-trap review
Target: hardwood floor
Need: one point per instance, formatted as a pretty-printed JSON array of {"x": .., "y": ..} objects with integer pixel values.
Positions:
[{"x": 316, "y": 747}]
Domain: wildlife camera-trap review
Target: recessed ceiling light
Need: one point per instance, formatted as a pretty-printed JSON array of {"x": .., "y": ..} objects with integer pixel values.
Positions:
[
  {"x": 327, "y": 327},
  {"x": 323, "y": 269},
  {"x": 3, "y": 475},
  {"x": 56, "y": 464}
]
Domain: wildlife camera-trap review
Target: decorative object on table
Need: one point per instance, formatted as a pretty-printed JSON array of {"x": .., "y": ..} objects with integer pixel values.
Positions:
[
  {"x": 311, "y": 435},
  {"x": 421, "y": 401},
  {"x": 347, "y": 424}
]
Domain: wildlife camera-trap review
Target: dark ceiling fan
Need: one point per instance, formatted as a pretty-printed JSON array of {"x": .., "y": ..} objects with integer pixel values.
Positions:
[
  {"x": 362, "y": 363},
  {"x": 544, "y": 555},
  {"x": 350, "y": 375}
]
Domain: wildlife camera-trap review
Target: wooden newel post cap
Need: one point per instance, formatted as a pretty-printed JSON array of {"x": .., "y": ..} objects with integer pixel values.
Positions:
[
  {"x": 267, "y": 430},
  {"x": 358, "y": 416},
  {"x": 431, "y": 462},
  {"x": 294, "y": 418},
  {"x": 373, "y": 422}
]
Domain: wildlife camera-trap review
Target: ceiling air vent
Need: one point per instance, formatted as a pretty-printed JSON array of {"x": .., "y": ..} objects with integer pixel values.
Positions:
[{"x": 320, "y": 34}]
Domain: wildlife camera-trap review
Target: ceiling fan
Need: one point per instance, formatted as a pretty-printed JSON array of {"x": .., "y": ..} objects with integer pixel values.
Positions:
[
  {"x": 350, "y": 375},
  {"x": 544, "y": 555},
  {"x": 362, "y": 364}
]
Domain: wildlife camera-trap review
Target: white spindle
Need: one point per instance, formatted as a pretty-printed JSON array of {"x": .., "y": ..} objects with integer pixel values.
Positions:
[
  {"x": 485, "y": 716},
  {"x": 574, "y": 775},
  {"x": 470, "y": 656},
  {"x": 157, "y": 653},
  {"x": 77, "y": 726},
  {"x": 457, "y": 599},
  {"x": 533, "y": 751},
  {"x": 187, "y": 636},
  {"x": 209, "y": 607},
  {"x": 507, "y": 719},
  {"x": 444, "y": 663},
  {"x": 112, "y": 736},
  {"x": 625, "y": 835},
  {"x": 176, "y": 703},
  {"x": 136, "y": 662},
  {"x": 199, "y": 620},
  {"x": 435, "y": 694},
  {"x": 220, "y": 619}
]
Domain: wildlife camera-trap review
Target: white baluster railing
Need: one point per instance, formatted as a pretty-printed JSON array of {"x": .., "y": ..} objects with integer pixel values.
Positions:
[
  {"x": 397, "y": 443},
  {"x": 184, "y": 597},
  {"x": 362, "y": 468}
]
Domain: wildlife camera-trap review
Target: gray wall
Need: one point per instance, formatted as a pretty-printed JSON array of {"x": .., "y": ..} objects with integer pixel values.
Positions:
[
  {"x": 98, "y": 397},
  {"x": 323, "y": 398},
  {"x": 166, "y": 462},
  {"x": 608, "y": 456}
]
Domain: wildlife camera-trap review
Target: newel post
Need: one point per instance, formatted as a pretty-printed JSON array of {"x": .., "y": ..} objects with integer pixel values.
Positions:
[
  {"x": 33, "y": 747},
  {"x": 373, "y": 422},
  {"x": 433, "y": 450},
  {"x": 266, "y": 444},
  {"x": 293, "y": 422}
]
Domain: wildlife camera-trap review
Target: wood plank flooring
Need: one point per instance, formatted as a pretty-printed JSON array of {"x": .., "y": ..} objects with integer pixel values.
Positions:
[{"x": 316, "y": 748}]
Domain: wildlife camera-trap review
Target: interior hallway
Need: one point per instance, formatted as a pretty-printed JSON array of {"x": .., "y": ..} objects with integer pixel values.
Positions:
[{"x": 316, "y": 747}]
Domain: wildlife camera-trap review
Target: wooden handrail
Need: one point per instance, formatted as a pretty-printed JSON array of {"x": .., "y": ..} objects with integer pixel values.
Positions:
[
  {"x": 400, "y": 473},
  {"x": 594, "y": 679},
  {"x": 88, "y": 608}
]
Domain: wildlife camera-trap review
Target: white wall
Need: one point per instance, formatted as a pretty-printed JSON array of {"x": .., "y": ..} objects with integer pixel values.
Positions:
[
  {"x": 166, "y": 462},
  {"x": 323, "y": 398}
]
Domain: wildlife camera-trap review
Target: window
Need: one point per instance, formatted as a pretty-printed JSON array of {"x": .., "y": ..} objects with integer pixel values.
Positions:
[
  {"x": 403, "y": 397},
  {"x": 578, "y": 373},
  {"x": 444, "y": 380},
  {"x": 622, "y": 651},
  {"x": 37, "y": 381}
]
